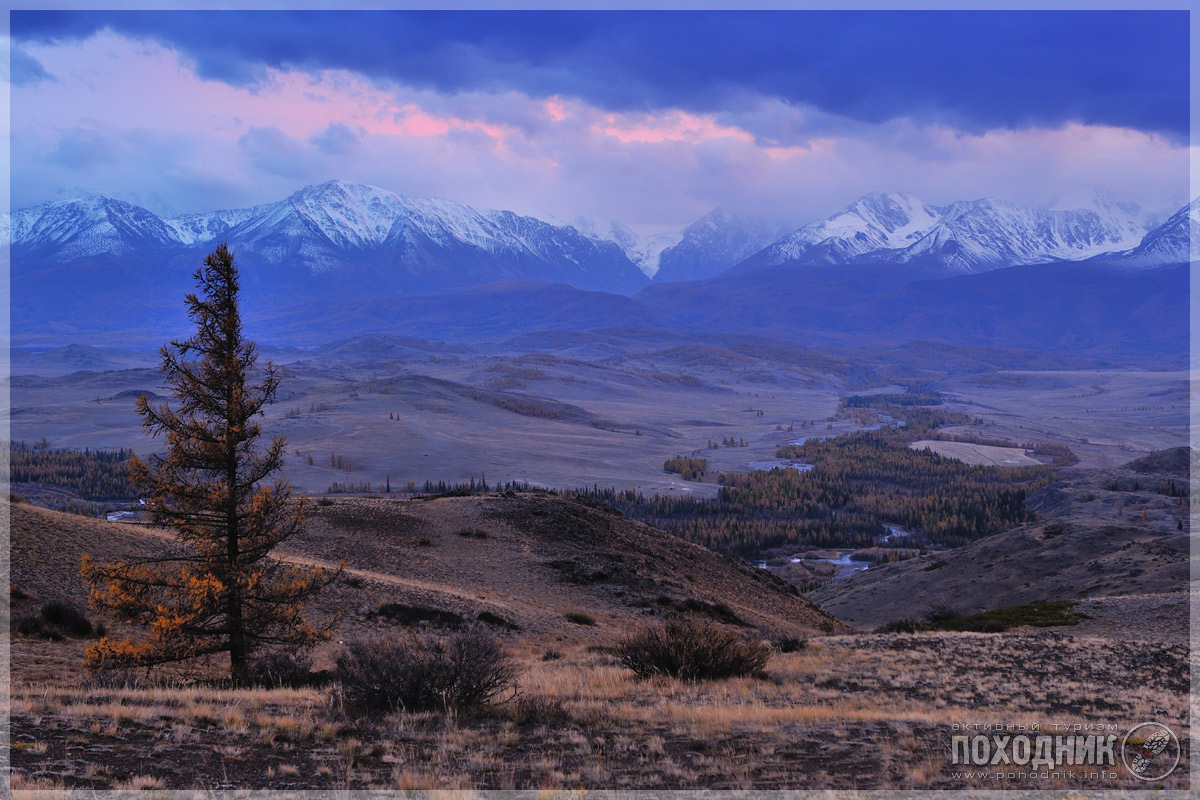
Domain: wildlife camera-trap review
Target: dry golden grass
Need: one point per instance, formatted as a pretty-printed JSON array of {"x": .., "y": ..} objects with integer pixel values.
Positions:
[{"x": 846, "y": 712}]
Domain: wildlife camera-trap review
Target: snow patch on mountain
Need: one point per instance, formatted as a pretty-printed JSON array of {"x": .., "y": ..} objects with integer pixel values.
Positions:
[
  {"x": 967, "y": 236},
  {"x": 874, "y": 222},
  {"x": 1176, "y": 241},
  {"x": 980, "y": 235},
  {"x": 322, "y": 228},
  {"x": 714, "y": 243},
  {"x": 642, "y": 244},
  {"x": 87, "y": 226},
  {"x": 191, "y": 229}
]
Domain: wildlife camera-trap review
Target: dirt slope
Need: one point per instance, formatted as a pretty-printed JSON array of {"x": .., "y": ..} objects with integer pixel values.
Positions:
[
  {"x": 1101, "y": 534},
  {"x": 1059, "y": 560},
  {"x": 527, "y": 560},
  {"x": 531, "y": 558}
]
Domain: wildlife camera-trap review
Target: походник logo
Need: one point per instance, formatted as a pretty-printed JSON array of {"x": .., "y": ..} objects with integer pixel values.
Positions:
[{"x": 1150, "y": 751}]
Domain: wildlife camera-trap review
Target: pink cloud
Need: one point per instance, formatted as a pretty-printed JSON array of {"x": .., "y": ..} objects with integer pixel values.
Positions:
[
  {"x": 555, "y": 109},
  {"x": 669, "y": 126},
  {"x": 175, "y": 131},
  {"x": 812, "y": 147}
]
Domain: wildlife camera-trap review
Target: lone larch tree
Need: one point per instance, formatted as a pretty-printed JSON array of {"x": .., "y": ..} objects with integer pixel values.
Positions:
[{"x": 220, "y": 590}]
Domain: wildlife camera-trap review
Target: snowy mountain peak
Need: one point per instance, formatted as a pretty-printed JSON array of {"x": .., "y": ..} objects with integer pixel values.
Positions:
[
  {"x": 1176, "y": 241},
  {"x": 967, "y": 235},
  {"x": 88, "y": 225},
  {"x": 980, "y": 235},
  {"x": 714, "y": 243},
  {"x": 874, "y": 222},
  {"x": 348, "y": 214},
  {"x": 323, "y": 228},
  {"x": 337, "y": 227},
  {"x": 714, "y": 219},
  {"x": 900, "y": 214}
]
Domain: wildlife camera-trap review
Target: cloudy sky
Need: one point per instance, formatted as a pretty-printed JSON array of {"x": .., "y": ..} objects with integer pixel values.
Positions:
[{"x": 647, "y": 117}]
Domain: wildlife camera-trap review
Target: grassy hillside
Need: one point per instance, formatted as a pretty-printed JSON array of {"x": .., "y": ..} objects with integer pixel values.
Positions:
[
  {"x": 1114, "y": 539},
  {"x": 559, "y": 583}
]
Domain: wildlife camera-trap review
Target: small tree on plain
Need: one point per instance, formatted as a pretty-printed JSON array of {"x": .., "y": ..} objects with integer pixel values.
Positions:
[{"x": 221, "y": 591}]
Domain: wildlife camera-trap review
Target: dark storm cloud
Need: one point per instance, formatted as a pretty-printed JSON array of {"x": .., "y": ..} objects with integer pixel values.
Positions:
[
  {"x": 25, "y": 70},
  {"x": 972, "y": 70}
]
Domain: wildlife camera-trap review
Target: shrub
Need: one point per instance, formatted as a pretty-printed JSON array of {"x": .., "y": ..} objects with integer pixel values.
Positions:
[
  {"x": 67, "y": 618},
  {"x": 402, "y": 614},
  {"x": 33, "y": 625},
  {"x": 940, "y": 612},
  {"x": 540, "y": 711},
  {"x": 425, "y": 673},
  {"x": 1042, "y": 614},
  {"x": 986, "y": 626},
  {"x": 473, "y": 533},
  {"x": 898, "y": 626},
  {"x": 55, "y": 621},
  {"x": 692, "y": 650},
  {"x": 115, "y": 679},
  {"x": 579, "y": 618},
  {"x": 497, "y": 620},
  {"x": 278, "y": 669},
  {"x": 791, "y": 644},
  {"x": 718, "y": 611}
]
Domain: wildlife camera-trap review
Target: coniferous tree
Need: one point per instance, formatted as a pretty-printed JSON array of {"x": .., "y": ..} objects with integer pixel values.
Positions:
[{"x": 221, "y": 591}]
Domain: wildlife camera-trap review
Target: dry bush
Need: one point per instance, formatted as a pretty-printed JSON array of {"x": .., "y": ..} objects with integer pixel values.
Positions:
[
  {"x": 55, "y": 621},
  {"x": 403, "y": 614},
  {"x": 540, "y": 711},
  {"x": 426, "y": 673},
  {"x": 941, "y": 612},
  {"x": 692, "y": 650},
  {"x": 899, "y": 625},
  {"x": 791, "y": 644},
  {"x": 489, "y": 618},
  {"x": 124, "y": 678},
  {"x": 279, "y": 669},
  {"x": 67, "y": 618}
]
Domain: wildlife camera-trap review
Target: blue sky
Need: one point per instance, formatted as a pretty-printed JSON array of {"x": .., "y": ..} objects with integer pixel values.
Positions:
[{"x": 648, "y": 117}]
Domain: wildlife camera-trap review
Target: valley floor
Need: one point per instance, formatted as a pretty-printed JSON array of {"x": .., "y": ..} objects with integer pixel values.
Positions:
[{"x": 843, "y": 709}]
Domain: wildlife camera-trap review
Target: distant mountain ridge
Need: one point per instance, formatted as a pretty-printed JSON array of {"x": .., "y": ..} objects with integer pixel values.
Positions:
[
  {"x": 974, "y": 236},
  {"x": 341, "y": 259},
  {"x": 428, "y": 245},
  {"x": 713, "y": 244},
  {"x": 403, "y": 244},
  {"x": 1174, "y": 240}
]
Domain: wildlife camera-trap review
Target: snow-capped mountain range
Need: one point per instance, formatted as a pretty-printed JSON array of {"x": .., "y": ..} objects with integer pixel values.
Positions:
[
  {"x": 405, "y": 244},
  {"x": 1173, "y": 241},
  {"x": 341, "y": 259},
  {"x": 973, "y": 236},
  {"x": 339, "y": 231}
]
